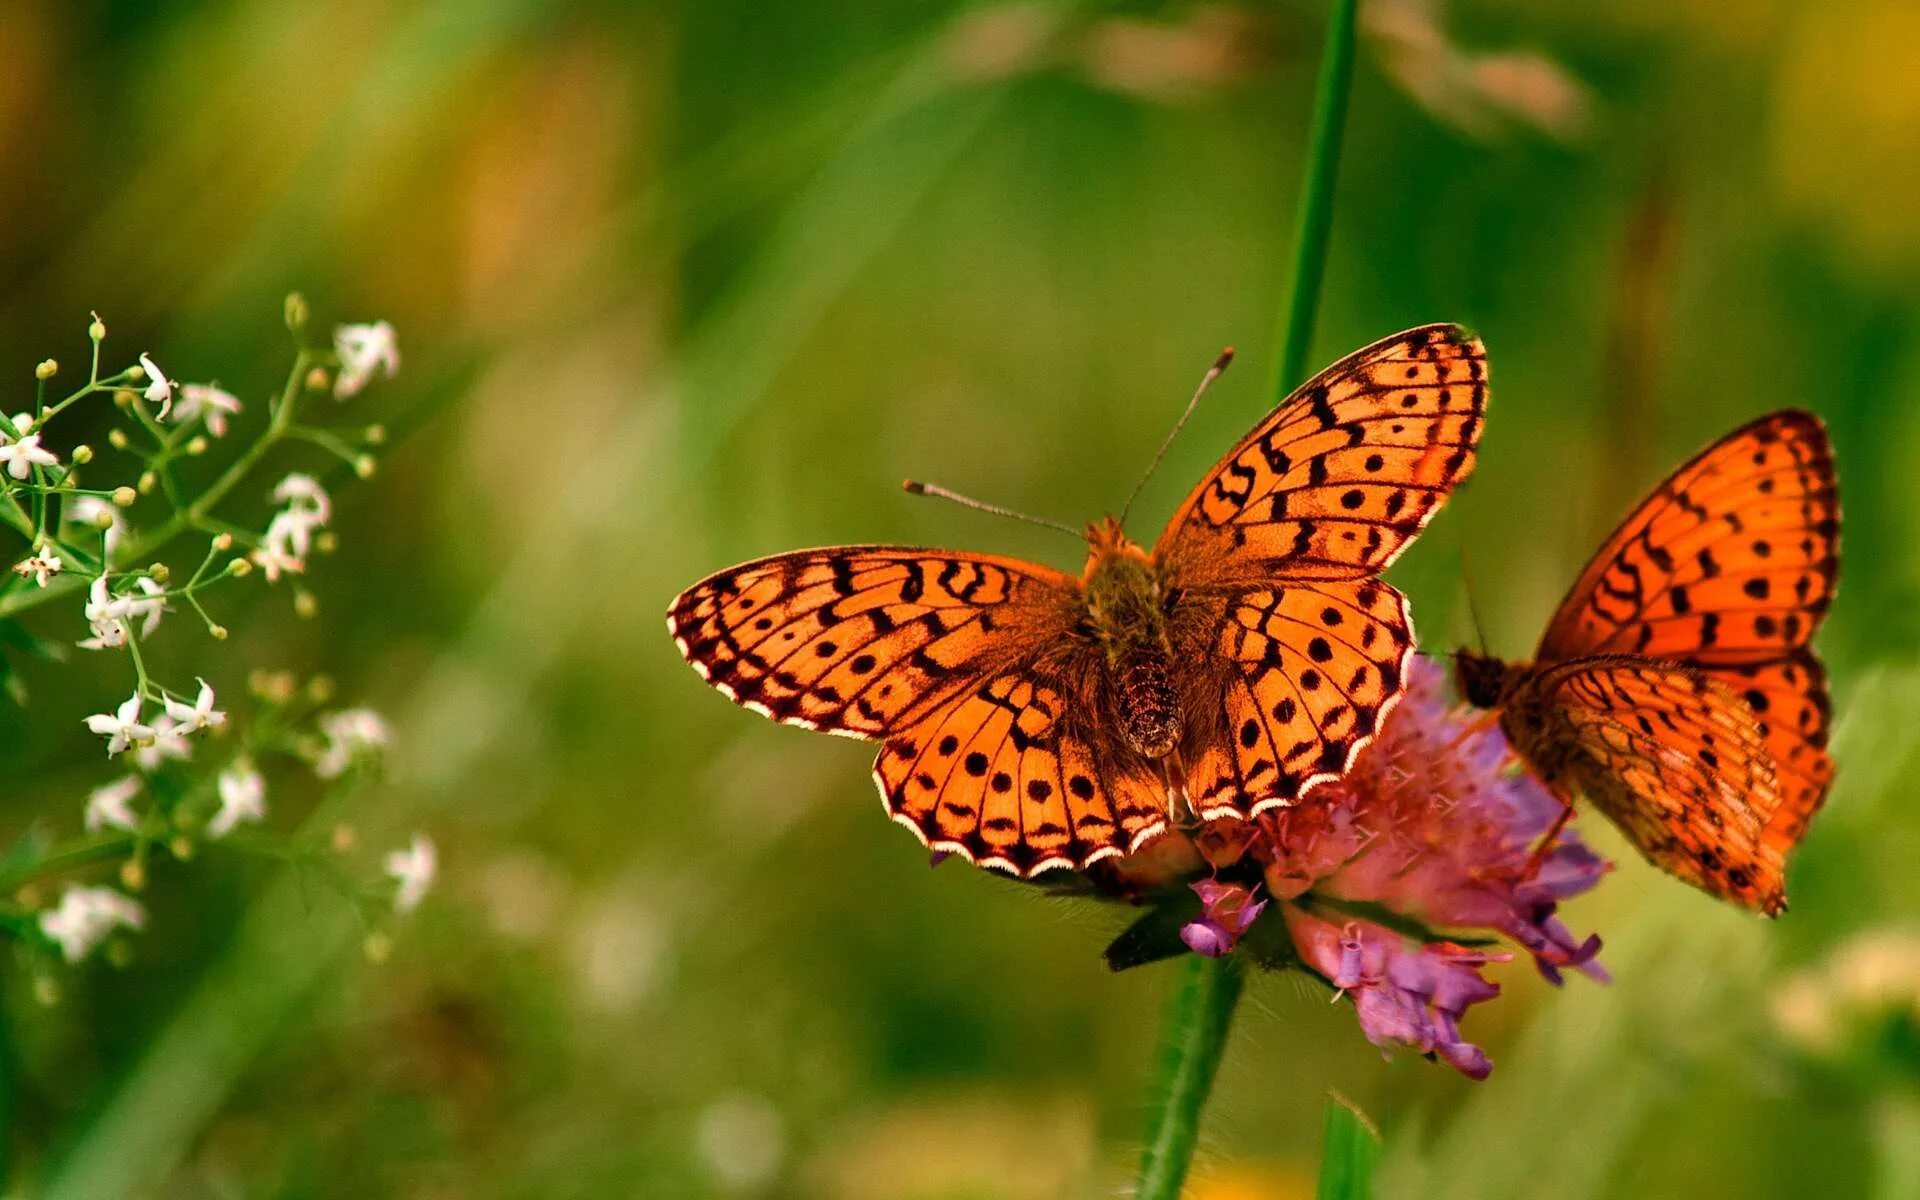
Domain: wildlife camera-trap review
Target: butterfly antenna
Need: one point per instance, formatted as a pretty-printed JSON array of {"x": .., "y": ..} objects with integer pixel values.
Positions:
[
  {"x": 1214, "y": 372},
  {"x": 1473, "y": 606},
  {"x": 917, "y": 488}
]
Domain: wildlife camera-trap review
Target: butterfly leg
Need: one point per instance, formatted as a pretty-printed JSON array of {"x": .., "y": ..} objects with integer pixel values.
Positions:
[
  {"x": 1479, "y": 725},
  {"x": 1180, "y": 812},
  {"x": 1545, "y": 846}
]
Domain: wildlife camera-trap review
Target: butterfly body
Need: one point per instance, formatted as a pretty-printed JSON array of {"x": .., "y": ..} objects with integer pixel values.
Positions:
[
  {"x": 1029, "y": 719},
  {"x": 1675, "y": 686}
]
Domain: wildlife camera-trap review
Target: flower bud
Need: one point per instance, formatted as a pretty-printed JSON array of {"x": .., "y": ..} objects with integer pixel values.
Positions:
[
  {"x": 122, "y": 398},
  {"x": 320, "y": 689},
  {"x": 239, "y": 567},
  {"x": 159, "y": 572},
  {"x": 181, "y": 848},
  {"x": 147, "y": 482},
  {"x": 296, "y": 311},
  {"x": 133, "y": 875},
  {"x": 219, "y": 634},
  {"x": 318, "y": 380},
  {"x": 117, "y": 438},
  {"x": 222, "y": 542},
  {"x": 124, "y": 497},
  {"x": 82, "y": 455},
  {"x": 197, "y": 445},
  {"x": 97, "y": 331},
  {"x": 326, "y": 542},
  {"x": 137, "y": 373},
  {"x": 378, "y": 946},
  {"x": 304, "y": 605},
  {"x": 343, "y": 839},
  {"x": 364, "y": 466},
  {"x": 46, "y": 370},
  {"x": 104, "y": 519},
  {"x": 376, "y": 435}
]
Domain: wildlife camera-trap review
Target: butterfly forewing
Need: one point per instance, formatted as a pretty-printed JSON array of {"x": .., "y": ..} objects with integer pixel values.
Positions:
[
  {"x": 1677, "y": 762},
  {"x": 864, "y": 640},
  {"x": 1336, "y": 481}
]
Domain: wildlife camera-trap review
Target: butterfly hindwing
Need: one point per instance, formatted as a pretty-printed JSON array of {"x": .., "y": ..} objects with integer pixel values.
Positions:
[
  {"x": 1315, "y": 668},
  {"x": 1674, "y": 759},
  {"x": 863, "y": 640},
  {"x": 1003, "y": 776},
  {"x": 1337, "y": 480},
  {"x": 1789, "y": 698}
]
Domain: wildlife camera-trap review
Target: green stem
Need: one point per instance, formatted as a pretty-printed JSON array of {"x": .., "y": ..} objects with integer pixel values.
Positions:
[
  {"x": 1192, "y": 1037},
  {"x": 1198, "y": 1015},
  {"x": 1316, "y": 201}
]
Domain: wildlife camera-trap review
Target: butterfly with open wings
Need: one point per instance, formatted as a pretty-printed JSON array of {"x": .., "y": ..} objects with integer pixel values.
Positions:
[
  {"x": 1031, "y": 720},
  {"x": 1676, "y": 686}
]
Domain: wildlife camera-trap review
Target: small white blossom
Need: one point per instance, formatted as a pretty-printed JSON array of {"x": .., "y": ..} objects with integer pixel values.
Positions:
[
  {"x": 276, "y": 559},
  {"x": 110, "y": 805},
  {"x": 24, "y": 453},
  {"x": 87, "y": 510},
  {"x": 40, "y": 566},
  {"x": 122, "y": 727},
  {"x": 290, "y": 535},
  {"x": 414, "y": 867},
  {"x": 303, "y": 494},
  {"x": 363, "y": 350},
  {"x": 350, "y": 733},
  {"x": 199, "y": 715},
  {"x": 112, "y": 616},
  {"x": 243, "y": 797},
  {"x": 159, "y": 387},
  {"x": 168, "y": 742},
  {"x": 206, "y": 401},
  {"x": 150, "y": 608},
  {"x": 85, "y": 916}
]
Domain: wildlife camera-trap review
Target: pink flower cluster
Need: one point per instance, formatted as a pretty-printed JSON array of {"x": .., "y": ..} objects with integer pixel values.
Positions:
[{"x": 1429, "y": 831}]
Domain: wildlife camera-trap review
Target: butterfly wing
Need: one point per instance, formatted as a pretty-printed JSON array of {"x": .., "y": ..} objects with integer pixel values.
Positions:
[
  {"x": 1671, "y": 757},
  {"x": 1729, "y": 566},
  {"x": 1314, "y": 669},
  {"x": 1006, "y": 775},
  {"x": 955, "y": 661},
  {"x": 1337, "y": 480},
  {"x": 864, "y": 641},
  {"x": 1275, "y": 555}
]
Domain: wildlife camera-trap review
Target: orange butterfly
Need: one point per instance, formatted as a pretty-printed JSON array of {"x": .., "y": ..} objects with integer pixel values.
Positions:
[
  {"x": 1033, "y": 720},
  {"x": 1675, "y": 686}
]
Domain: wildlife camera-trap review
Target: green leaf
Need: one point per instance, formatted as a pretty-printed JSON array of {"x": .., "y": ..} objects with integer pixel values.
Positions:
[{"x": 1350, "y": 1146}]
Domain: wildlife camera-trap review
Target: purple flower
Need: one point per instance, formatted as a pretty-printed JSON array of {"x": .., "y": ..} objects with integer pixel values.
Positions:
[
  {"x": 1414, "y": 996},
  {"x": 1227, "y": 911},
  {"x": 1431, "y": 829}
]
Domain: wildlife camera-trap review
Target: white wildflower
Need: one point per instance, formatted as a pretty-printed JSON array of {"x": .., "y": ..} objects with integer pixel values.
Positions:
[
  {"x": 243, "y": 797},
  {"x": 149, "y": 605},
  {"x": 99, "y": 513},
  {"x": 85, "y": 916},
  {"x": 23, "y": 453},
  {"x": 199, "y": 715},
  {"x": 122, "y": 727},
  {"x": 168, "y": 742},
  {"x": 39, "y": 566},
  {"x": 208, "y": 402},
  {"x": 303, "y": 494},
  {"x": 350, "y": 733},
  {"x": 159, "y": 387},
  {"x": 110, "y": 805},
  {"x": 415, "y": 868},
  {"x": 276, "y": 558},
  {"x": 364, "y": 350}
]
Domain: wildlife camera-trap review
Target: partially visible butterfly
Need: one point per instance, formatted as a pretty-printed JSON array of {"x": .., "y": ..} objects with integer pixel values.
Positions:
[
  {"x": 1032, "y": 720},
  {"x": 1676, "y": 686}
]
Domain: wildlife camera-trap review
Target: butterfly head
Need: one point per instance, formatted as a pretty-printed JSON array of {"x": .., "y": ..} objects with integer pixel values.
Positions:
[{"x": 1482, "y": 678}]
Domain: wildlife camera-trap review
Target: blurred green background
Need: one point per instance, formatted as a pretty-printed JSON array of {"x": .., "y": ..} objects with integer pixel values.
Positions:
[{"x": 684, "y": 283}]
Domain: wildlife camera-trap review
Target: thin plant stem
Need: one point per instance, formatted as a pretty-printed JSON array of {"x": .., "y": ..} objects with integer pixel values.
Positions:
[
  {"x": 1200, "y": 1011},
  {"x": 1316, "y": 200},
  {"x": 1193, "y": 1034}
]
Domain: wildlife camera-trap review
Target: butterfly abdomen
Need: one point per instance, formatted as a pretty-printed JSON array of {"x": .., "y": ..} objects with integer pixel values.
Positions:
[{"x": 1148, "y": 704}]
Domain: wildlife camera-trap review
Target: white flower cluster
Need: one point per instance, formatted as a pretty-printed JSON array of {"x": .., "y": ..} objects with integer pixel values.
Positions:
[
  {"x": 290, "y": 533},
  {"x": 85, "y": 916}
]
